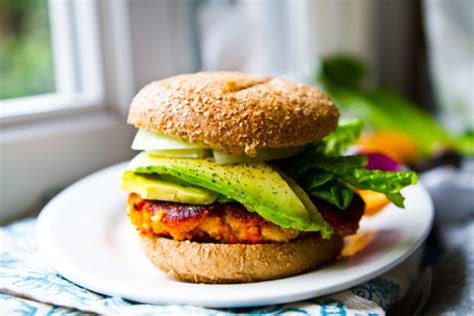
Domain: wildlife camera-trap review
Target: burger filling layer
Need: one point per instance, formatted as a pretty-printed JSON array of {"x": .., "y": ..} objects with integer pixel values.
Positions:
[
  {"x": 227, "y": 222},
  {"x": 183, "y": 192}
]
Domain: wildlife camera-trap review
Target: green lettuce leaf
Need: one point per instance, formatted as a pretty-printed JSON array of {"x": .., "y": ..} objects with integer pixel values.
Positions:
[
  {"x": 346, "y": 135},
  {"x": 334, "y": 193},
  {"x": 320, "y": 165},
  {"x": 300, "y": 167},
  {"x": 336, "y": 143},
  {"x": 315, "y": 179},
  {"x": 347, "y": 168},
  {"x": 324, "y": 185}
]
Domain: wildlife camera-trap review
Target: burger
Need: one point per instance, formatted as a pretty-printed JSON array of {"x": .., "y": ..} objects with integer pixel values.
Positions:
[{"x": 243, "y": 178}]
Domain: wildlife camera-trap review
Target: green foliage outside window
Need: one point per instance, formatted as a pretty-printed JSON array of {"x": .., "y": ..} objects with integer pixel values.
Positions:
[{"x": 26, "y": 61}]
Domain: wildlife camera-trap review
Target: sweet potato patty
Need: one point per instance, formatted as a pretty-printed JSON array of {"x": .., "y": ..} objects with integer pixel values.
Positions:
[{"x": 226, "y": 223}]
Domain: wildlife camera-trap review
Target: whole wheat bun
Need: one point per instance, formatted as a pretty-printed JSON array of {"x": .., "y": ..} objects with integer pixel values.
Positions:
[
  {"x": 234, "y": 112},
  {"x": 239, "y": 263}
]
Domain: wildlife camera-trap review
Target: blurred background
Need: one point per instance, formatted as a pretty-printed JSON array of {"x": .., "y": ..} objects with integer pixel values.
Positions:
[{"x": 68, "y": 70}]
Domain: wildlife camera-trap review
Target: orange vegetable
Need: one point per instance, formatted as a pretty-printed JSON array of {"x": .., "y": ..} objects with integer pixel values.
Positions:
[
  {"x": 355, "y": 243},
  {"x": 397, "y": 145},
  {"x": 374, "y": 201}
]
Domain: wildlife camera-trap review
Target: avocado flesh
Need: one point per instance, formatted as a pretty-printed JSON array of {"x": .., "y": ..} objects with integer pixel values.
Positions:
[
  {"x": 258, "y": 186},
  {"x": 305, "y": 199},
  {"x": 149, "y": 187}
]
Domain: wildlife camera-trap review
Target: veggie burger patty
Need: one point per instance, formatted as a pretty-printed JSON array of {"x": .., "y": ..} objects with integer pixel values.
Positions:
[{"x": 228, "y": 222}]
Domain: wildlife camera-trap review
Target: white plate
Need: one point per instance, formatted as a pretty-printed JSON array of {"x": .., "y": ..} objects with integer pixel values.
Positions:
[{"x": 86, "y": 236}]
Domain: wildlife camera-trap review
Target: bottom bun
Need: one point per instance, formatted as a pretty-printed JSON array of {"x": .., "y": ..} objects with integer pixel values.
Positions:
[{"x": 239, "y": 263}]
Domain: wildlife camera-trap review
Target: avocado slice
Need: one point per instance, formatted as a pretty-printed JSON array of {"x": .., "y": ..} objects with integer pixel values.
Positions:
[
  {"x": 310, "y": 207},
  {"x": 258, "y": 186},
  {"x": 150, "y": 187}
]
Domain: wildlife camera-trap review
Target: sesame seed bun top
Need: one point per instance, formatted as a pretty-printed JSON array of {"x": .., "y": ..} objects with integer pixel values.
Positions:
[{"x": 234, "y": 112}]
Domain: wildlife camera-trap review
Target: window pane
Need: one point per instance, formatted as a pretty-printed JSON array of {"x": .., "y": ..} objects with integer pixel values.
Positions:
[{"x": 26, "y": 61}]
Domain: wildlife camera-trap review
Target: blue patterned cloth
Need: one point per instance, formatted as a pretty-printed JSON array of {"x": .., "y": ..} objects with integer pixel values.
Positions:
[{"x": 28, "y": 286}]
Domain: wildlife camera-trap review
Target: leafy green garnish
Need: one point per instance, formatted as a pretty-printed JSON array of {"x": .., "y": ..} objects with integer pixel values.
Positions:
[
  {"x": 335, "y": 144},
  {"x": 346, "y": 135},
  {"x": 351, "y": 170},
  {"x": 388, "y": 183},
  {"x": 325, "y": 186},
  {"x": 334, "y": 193},
  {"x": 323, "y": 173},
  {"x": 300, "y": 167},
  {"x": 312, "y": 180}
]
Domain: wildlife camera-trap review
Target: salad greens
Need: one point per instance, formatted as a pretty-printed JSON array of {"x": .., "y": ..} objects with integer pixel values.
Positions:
[
  {"x": 465, "y": 143},
  {"x": 336, "y": 143},
  {"x": 342, "y": 70},
  {"x": 342, "y": 77},
  {"x": 322, "y": 173},
  {"x": 334, "y": 193},
  {"x": 351, "y": 171},
  {"x": 346, "y": 135}
]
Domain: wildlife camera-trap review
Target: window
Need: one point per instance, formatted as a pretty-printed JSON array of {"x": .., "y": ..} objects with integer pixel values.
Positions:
[
  {"x": 68, "y": 121},
  {"x": 50, "y": 59},
  {"x": 26, "y": 58}
]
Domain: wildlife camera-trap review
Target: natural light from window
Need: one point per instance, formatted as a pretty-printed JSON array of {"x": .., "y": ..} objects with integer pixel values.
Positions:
[
  {"x": 50, "y": 59},
  {"x": 26, "y": 57}
]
